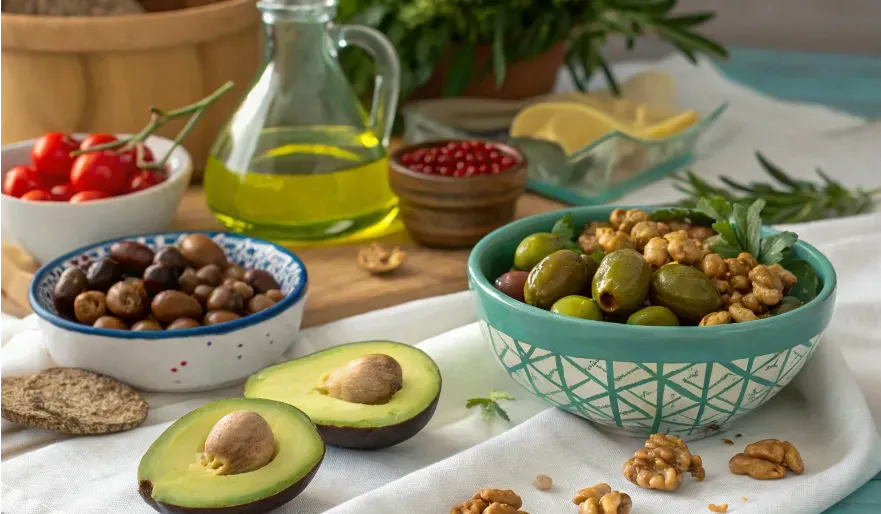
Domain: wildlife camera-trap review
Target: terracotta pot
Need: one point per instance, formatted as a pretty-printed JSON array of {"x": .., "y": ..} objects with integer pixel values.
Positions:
[
  {"x": 523, "y": 79},
  {"x": 102, "y": 74}
]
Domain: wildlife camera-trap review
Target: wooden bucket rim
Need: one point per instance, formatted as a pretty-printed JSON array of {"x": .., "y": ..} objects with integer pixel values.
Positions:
[{"x": 128, "y": 32}]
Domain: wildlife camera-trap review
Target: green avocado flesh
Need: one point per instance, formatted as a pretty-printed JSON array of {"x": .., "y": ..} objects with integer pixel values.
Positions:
[
  {"x": 295, "y": 382},
  {"x": 172, "y": 462}
]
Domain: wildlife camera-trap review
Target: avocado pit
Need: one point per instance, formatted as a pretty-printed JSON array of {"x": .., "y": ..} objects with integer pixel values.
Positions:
[
  {"x": 240, "y": 442},
  {"x": 369, "y": 380}
]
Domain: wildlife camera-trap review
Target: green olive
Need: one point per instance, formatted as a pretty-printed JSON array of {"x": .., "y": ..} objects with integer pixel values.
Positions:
[
  {"x": 621, "y": 283},
  {"x": 654, "y": 315},
  {"x": 686, "y": 291},
  {"x": 534, "y": 248},
  {"x": 560, "y": 274},
  {"x": 789, "y": 303},
  {"x": 578, "y": 307}
]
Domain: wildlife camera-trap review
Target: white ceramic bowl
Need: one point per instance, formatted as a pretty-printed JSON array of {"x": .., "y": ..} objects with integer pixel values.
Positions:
[
  {"x": 49, "y": 229},
  {"x": 193, "y": 359}
]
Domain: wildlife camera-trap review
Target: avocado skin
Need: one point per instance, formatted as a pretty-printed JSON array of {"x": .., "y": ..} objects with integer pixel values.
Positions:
[
  {"x": 145, "y": 489},
  {"x": 377, "y": 438}
]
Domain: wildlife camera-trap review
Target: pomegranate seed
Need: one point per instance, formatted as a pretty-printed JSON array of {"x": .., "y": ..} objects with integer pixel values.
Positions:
[
  {"x": 470, "y": 170},
  {"x": 417, "y": 167},
  {"x": 443, "y": 170},
  {"x": 482, "y": 169},
  {"x": 442, "y": 159},
  {"x": 407, "y": 159},
  {"x": 470, "y": 158},
  {"x": 458, "y": 154},
  {"x": 494, "y": 168},
  {"x": 489, "y": 147},
  {"x": 428, "y": 169},
  {"x": 460, "y": 165},
  {"x": 428, "y": 159},
  {"x": 494, "y": 156},
  {"x": 507, "y": 162}
]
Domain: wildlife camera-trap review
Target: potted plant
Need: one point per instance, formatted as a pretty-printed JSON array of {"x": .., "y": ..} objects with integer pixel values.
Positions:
[{"x": 511, "y": 49}]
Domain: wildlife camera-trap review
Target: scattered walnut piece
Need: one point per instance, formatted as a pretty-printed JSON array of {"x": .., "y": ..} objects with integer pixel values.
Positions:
[
  {"x": 661, "y": 463},
  {"x": 377, "y": 260},
  {"x": 543, "y": 482},
  {"x": 718, "y": 508},
  {"x": 601, "y": 499},
  {"x": 778, "y": 452},
  {"x": 729, "y": 442},
  {"x": 490, "y": 501},
  {"x": 716, "y": 318}
]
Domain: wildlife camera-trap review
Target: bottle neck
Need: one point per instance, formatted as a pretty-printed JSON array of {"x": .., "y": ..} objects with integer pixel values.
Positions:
[{"x": 298, "y": 47}]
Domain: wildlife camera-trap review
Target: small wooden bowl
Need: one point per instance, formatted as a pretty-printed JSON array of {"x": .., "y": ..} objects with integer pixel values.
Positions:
[{"x": 455, "y": 212}]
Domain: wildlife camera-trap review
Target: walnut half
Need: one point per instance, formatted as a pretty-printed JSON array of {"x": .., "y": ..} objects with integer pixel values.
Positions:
[
  {"x": 377, "y": 260},
  {"x": 661, "y": 463},
  {"x": 491, "y": 501},
  {"x": 767, "y": 459},
  {"x": 601, "y": 499}
]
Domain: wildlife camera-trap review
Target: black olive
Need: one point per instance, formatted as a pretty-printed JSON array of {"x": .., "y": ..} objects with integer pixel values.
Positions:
[
  {"x": 170, "y": 256},
  {"x": 158, "y": 278},
  {"x": 70, "y": 284},
  {"x": 132, "y": 256},
  {"x": 103, "y": 273}
]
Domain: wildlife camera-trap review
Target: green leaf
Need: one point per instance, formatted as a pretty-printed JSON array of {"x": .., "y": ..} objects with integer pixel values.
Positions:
[
  {"x": 564, "y": 228},
  {"x": 690, "y": 20},
  {"x": 610, "y": 78},
  {"x": 774, "y": 246},
  {"x": 680, "y": 213},
  {"x": 808, "y": 285},
  {"x": 754, "y": 228},
  {"x": 778, "y": 174},
  {"x": 499, "y": 62},
  {"x": 501, "y": 412},
  {"x": 473, "y": 402},
  {"x": 570, "y": 245},
  {"x": 460, "y": 70},
  {"x": 726, "y": 233},
  {"x": 598, "y": 256},
  {"x": 500, "y": 395},
  {"x": 724, "y": 249},
  {"x": 717, "y": 208},
  {"x": 691, "y": 40}
]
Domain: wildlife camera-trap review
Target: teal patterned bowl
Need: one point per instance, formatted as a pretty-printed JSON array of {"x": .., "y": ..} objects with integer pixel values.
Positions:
[{"x": 638, "y": 380}]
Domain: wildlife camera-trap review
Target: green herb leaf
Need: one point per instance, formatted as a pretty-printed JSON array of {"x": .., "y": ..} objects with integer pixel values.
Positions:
[
  {"x": 490, "y": 405},
  {"x": 598, "y": 256},
  {"x": 726, "y": 232},
  {"x": 754, "y": 227},
  {"x": 680, "y": 213},
  {"x": 808, "y": 285},
  {"x": 774, "y": 246},
  {"x": 723, "y": 248},
  {"x": 564, "y": 228},
  {"x": 570, "y": 245},
  {"x": 499, "y": 62},
  {"x": 460, "y": 70}
]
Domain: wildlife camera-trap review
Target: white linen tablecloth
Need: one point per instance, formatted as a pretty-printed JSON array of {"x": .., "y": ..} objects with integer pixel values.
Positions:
[{"x": 823, "y": 412}]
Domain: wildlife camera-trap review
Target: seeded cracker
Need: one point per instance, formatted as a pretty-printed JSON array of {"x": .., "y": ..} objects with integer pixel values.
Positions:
[{"x": 72, "y": 401}]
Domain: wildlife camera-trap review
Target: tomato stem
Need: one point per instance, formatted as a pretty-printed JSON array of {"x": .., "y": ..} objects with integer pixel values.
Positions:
[{"x": 158, "y": 118}]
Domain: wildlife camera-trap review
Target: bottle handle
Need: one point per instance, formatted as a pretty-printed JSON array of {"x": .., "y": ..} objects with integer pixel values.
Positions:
[{"x": 388, "y": 77}]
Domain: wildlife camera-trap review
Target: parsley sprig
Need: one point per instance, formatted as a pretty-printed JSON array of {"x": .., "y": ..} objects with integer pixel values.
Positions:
[
  {"x": 564, "y": 229},
  {"x": 490, "y": 405}
]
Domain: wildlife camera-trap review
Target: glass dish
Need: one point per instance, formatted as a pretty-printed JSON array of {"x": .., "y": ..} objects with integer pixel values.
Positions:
[{"x": 608, "y": 168}]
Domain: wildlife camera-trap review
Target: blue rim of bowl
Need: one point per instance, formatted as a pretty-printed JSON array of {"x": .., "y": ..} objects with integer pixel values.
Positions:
[
  {"x": 221, "y": 328},
  {"x": 476, "y": 276}
]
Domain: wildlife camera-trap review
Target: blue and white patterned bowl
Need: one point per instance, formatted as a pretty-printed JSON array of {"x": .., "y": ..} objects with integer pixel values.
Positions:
[
  {"x": 638, "y": 380},
  {"x": 180, "y": 360}
]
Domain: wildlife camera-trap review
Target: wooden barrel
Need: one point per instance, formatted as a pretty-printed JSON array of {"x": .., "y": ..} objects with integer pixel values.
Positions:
[{"x": 102, "y": 74}]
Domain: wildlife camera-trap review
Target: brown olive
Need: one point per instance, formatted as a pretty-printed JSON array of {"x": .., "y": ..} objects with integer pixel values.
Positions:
[
  {"x": 138, "y": 284},
  {"x": 210, "y": 275},
  {"x": 126, "y": 301},
  {"x": 512, "y": 284},
  {"x": 133, "y": 257},
  {"x": 216, "y": 317},
  {"x": 182, "y": 323},
  {"x": 275, "y": 295},
  {"x": 259, "y": 303},
  {"x": 146, "y": 324},
  {"x": 110, "y": 322},
  {"x": 70, "y": 284},
  {"x": 158, "y": 278},
  {"x": 225, "y": 299},
  {"x": 89, "y": 306},
  {"x": 200, "y": 250},
  {"x": 170, "y": 305},
  {"x": 202, "y": 292},
  {"x": 243, "y": 289},
  {"x": 188, "y": 280},
  {"x": 260, "y": 280},
  {"x": 229, "y": 282},
  {"x": 170, "y": 256},
  {"x": 235, "y": 272},
  {"x": 103, "y": 273}
]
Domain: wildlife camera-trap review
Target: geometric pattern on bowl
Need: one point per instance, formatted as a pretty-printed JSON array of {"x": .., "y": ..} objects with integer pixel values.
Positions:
[
  {"x": 246, "y": 252},
  {"x": 691, "y": 399}
]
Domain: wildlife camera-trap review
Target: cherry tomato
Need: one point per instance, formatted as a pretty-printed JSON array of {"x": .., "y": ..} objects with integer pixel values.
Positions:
[
  {"x": 51, "y": 154},
  {"x": 144, "y": 179},
  {"x": 96, "y": 139},
  {"x": 99, "y": 171},
  {"x": 37, "y": 195},
  {"x": 130, "y": 157},
  {"x": 88, "y": 196},
  {"x": 21, "y": 179},
  {"x": 62, "y": 192}
]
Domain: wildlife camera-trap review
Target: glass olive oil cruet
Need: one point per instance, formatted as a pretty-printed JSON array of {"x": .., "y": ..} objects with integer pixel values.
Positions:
[{"x": 300, "y": 159}]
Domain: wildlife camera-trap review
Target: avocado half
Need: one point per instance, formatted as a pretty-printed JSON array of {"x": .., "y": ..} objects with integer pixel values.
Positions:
[
  {"x": 171, "y": 480},
  {"x": 354, "y": 425}
]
